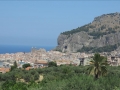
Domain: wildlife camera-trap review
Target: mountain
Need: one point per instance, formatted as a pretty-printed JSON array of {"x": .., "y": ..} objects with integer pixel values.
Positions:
[{"x": 102, "y": 35}]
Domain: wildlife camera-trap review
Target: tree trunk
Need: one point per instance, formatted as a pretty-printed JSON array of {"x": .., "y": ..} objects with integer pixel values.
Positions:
[{"x": 96, "y": 76}]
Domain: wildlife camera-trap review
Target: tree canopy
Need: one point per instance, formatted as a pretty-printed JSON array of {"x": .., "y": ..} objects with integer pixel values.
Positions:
[
  {"x": 98, "y": 66},
  {"x": 26, "y": 65},
  {"x": 51, "y": 64}
]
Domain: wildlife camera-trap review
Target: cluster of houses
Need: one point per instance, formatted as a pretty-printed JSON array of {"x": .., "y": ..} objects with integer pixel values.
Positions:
[
  {"x": 38, "y": 64},
  {"x": 83, "y": 59}
]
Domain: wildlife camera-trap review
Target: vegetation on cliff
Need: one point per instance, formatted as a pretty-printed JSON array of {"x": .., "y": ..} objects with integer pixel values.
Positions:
[
  {"x": 107, "y": 48},
  {"x": 104, "y": 28},
  {"x": 79, "y": 29}
]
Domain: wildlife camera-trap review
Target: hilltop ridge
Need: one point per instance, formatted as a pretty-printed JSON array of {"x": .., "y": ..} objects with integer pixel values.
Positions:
[{"x": 101, "y": 35}]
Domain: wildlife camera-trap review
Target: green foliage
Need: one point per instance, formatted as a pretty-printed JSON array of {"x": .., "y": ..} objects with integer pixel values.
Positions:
[
  {"x": 61, "y": 78},
  {"x": 58, "y": 50},
  {"x": 51, "y": 64},
  {"x": 27, "y": 77},
  {"x": 107, "y": 48},
  {"x": 98, "y": 66},
  {"x": 85, "y": 49},
  {"x": 36, "y": 76},
  {"x": 97, "y": 35},
  {"x": 12, "y": 85},
  {"x": 111, "y": 30},
  {"x": 79, "y": 81},
  {"x": 103, "y": 27},
  {"x": 26, "y": 65},
  {"x": 14, "y": 66},
  {"x": 79, "y": 29},
  {"x": 31, "y": 75}
]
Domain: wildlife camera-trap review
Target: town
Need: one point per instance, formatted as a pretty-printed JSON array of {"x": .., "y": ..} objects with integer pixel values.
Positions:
[{"x": 39, "y": 58}]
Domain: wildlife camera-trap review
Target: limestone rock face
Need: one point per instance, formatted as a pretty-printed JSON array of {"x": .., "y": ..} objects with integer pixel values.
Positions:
[{"x": 103, "y": 31}]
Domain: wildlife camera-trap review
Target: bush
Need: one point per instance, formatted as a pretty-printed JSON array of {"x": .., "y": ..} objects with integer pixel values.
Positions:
[
  {"x": 26, "y": 65},
  {"x": 107, "y": 48},
  {"x": 51, "y": 64},
  {"x": 61, "y": 78},
  {"x": 12, "y": 85},
  {"x": 84, "y": 28}
]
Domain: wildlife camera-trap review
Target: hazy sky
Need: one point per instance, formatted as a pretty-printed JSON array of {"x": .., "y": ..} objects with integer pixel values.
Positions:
[{"x": 41, "y": 22}]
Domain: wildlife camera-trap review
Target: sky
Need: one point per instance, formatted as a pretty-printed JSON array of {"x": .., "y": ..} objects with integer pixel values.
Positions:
[{"x": 41, "y": 22}]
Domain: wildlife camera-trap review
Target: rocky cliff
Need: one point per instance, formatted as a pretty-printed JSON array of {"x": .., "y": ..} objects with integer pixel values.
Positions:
[{"x": 103, "y": 34}]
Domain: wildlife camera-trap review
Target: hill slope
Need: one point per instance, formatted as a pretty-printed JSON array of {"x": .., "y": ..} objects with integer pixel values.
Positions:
[{"x": 102, "y": 35}]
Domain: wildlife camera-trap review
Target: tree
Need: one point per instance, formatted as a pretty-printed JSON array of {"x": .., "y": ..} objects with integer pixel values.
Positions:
[
  {"x": 98, "y": 66},
  {"x": 26, "y": 65},
  {"x": 27, "y": 77},
  {"x": 51, "y": 64},
  {"x": 12, "y": 85},
  {"x": 14, "y": 66}
]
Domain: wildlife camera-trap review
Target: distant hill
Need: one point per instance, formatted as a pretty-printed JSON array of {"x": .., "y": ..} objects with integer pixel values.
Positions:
[{"x": 102, "y": 35}]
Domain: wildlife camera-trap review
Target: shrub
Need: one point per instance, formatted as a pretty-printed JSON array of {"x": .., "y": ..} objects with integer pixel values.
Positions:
[{"x": 51, "y": 64}]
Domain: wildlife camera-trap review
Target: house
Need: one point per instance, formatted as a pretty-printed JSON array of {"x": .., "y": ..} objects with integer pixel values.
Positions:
[
  {"x": 20, "y": 63},
  {"x": 85, "y": 61},
  {"x": 62, "y": 62},
  {"x": 4, "y": 70},
  {"x": 114, "y": 61},
  {"x": 81, "y": 61},
  {"x": 40, "y": 63}
]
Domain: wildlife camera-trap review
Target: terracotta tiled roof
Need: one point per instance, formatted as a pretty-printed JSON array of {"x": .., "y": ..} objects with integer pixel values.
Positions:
[
  {"x": 4, "y": 70},
  {"x": 28, "y": 68},
  {"x": 41, "y": 62}
]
